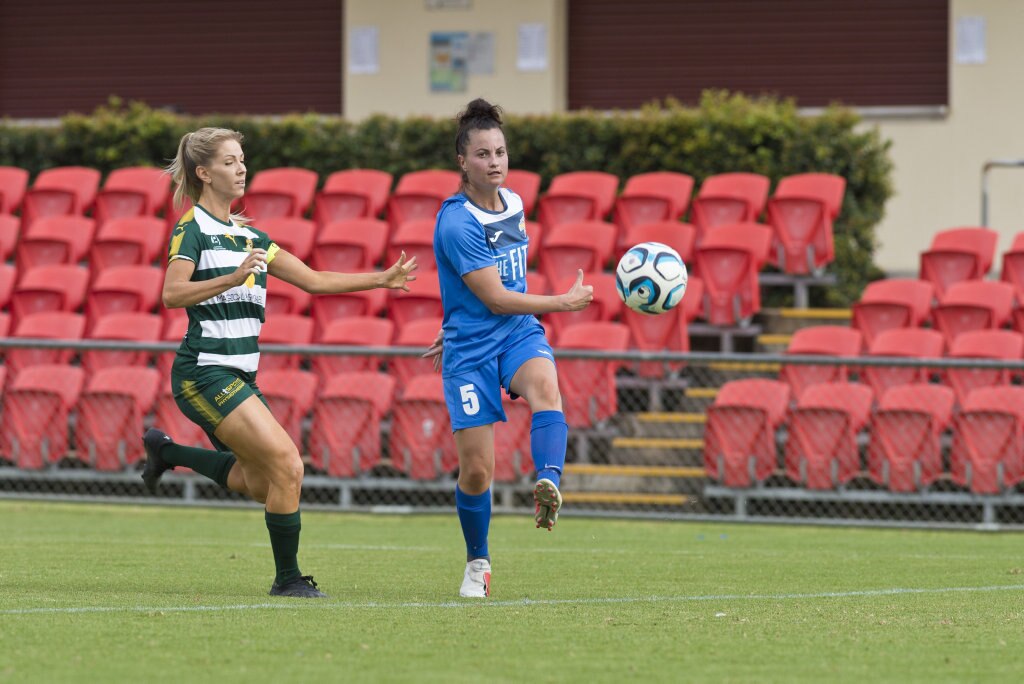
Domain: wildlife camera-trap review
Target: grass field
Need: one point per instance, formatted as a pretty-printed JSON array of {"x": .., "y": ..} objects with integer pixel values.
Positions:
[{"x": 118, "y": 593}]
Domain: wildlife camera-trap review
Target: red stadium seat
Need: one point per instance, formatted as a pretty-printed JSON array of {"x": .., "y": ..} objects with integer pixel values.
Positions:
[
  {"x": 606, "y": 305},
  {"x": 285, "y": 298},
  {"x": 293, "y": 329},
  {"x": 35, "y": 414},
  {"x": 822, "y": 452},
  {"x": 290, "y": 394},
  {"x": 988, "y": 440},
  {"x": 419, "y": 195},
  {"x": 535, "y": 232},
  {"x": 801, "y": 213},
  {"x": 656, "y": 197},
  {"x": 55, "y": 240},
  {"x": 512, "y": 457},
  {"x": 49, "y": 325},
  {"x": 679, "y": 236},
  {"x": 537, "y": 284},
  {"x": 5, "y": 328},
  {"x": 279, "y": 192},
  {"x": 526, "y": 184},
  {"x": 8, "y": 275},
  {"x": 327, "y": 308},
  {"x": 421, "y": 433},
  {"x": 664, "y": 332},
  {"x": 982, "y": 344},
  {"x": 132, "y": 191},
  {"x": 1013, "y": 263},
  {"x": 128, "y": 327},
  {"x": 416, "y": 239},
  {"x": 175, "y": 327},
  {"x": 10, "y": 227},
  {"x": 739, "y": 438},
  {"x": 110, "y": 412},
  {"x": 292, "y": 234},
  {"x": 958, "y": 254},
  {"x": 577, "y": 196},
  {"x": 693, "y": 301},
  {"x": 61, "y": 190},
  {"x": 728, "y": 261},
  {"x": 350, "y": 245},
  {"x": 588, "y": 386},
  {"x": 352, "y": 194},
  {"x": 420, "y": 334},
  {"x": 904, "y": 453},
  {"x": 422, "y": 301},
  {"x": 134, "y": 241},
  {"x": 356, "y": 331},
  {"x": 819, "y": 340},
  {"x": 344, "y": 437},
  {"x": 892, "y": 303},
  {"x": 973, "y": 305},
  {"x": 125, "y": 289},
  {"x": 915, "y": 343},
  {"x": 586, "y": 245},
  {"x": 728, "y": 198},
  {"x": 13, "y": 184},
  {"x": 49, "y": 288}
]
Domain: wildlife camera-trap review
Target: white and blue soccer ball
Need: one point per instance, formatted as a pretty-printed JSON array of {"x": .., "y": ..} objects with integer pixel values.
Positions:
[{"x": 651, "y": 278}]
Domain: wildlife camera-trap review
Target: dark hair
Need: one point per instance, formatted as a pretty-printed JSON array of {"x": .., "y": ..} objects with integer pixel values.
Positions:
[{"x": 478, "y": 115}]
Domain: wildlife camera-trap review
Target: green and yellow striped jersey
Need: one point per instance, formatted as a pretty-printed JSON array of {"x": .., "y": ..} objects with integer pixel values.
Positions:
[{"x": 224, "y": 330}]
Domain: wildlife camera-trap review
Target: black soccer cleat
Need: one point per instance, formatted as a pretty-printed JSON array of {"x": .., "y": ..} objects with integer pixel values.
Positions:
[
  {"x": 300, "y": 587},
  {"x": 155, "y": 466}
]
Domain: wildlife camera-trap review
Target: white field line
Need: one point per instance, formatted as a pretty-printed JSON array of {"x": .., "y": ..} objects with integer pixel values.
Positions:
[{"x": 520, "y": 603}]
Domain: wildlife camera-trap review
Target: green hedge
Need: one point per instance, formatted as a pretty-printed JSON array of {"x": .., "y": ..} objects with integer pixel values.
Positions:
[{"x": 725, "y": 132}]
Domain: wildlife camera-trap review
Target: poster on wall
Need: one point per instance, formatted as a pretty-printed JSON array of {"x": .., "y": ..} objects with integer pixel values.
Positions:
[
  {"x": 363, "y": 48},
  {"x": 449, "y": 56},
  {"x": 481, "y": 53},
  {"x": 532, "y": 47}
]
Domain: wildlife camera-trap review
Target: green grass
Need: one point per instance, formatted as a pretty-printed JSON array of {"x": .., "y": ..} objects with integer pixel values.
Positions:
[{"x": 612, "y": 601}]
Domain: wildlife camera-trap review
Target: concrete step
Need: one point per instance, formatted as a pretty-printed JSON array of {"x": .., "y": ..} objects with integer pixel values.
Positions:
[{"x": 788, "y": 321}]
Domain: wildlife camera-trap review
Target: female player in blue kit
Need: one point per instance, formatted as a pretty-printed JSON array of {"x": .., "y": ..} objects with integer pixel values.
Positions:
[{"x": 490, "y": 338}]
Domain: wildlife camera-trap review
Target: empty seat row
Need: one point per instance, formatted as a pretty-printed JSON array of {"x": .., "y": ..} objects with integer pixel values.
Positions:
[{"x": 825, "y": 429}]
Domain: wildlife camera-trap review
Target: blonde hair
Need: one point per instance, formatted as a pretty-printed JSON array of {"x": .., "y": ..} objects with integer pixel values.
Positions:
[{"x": 197, "y": 149}]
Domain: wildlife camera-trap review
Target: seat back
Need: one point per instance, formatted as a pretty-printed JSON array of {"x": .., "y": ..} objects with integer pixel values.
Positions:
[
  {"x": 13, "y": 184},
  {"x": 526, "y": 184},
  {"x": 356, "y": 331},
  {"x": 416, "y": 239},
  {"x": 892, "y": 303},
  {"x": 679, "y": 236},
  {"x": 418, "y": 333},
  {"x": 588, "y": 385},
  {"x": 110, "y": 412},
  {"x": 606, "y": 305},
  {"x": 291, "y": 233},
  {"x": 350, "y": 245},
  {"x": 34, "y": 419},
  {"x": 825, "y": 340},
  {"x": 52, "y": 240},
  {"x": 129, "y": 327},
  {"x": 291, "y": 394},
  {"x": 130, "y": 241},
  {"x": 421, "y": 444},
  {"x": 958, "y": 254},
  {"x": 132, "y": 191},
  {"x": 352, "y": 193},
  {"x": 577, "y": 245},
  {"x": 296, "y": 184},
  {"x": 290, "y": 329},
  {"x": 56, "y": 325},
  {"x": 422, "y": 301},
  {"x": 973, "y": 305},
  {"x": 345, "y": 435}
]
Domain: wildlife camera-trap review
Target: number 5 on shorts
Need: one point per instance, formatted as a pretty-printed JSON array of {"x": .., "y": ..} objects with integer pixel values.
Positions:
[{"x": 470, "y": 402}]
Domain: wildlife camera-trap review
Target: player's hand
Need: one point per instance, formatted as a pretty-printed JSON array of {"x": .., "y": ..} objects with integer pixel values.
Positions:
[
  {"x": 436, "y": 350},
  {"x": 396, "y": 277},
  {"x": 255, "y": 262},
  {"x": 579, "y": 295}
]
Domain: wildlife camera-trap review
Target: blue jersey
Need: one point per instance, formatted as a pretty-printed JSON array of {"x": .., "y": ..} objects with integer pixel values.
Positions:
[{"x": 468, "y": 238}]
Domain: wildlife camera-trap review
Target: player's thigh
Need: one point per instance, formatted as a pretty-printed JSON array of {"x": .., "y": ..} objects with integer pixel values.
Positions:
[
  {"x": 536, "y": 380},
  {"x": 475, "y": 446},
  {"x": 262, "y": 446}
]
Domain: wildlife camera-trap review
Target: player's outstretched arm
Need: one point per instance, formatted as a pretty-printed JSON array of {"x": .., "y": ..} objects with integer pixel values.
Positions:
[
  {"x": 293, "y": 270},
  {"x": 487, "y": 286}
]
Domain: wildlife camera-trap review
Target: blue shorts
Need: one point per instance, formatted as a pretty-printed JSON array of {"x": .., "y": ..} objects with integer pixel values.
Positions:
[{"x": 474, "y": 397}]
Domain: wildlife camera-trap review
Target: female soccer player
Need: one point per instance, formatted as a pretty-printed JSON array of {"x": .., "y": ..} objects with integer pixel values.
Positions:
[
  {"x": 490, "y": 338},
  {"x": 217, "y": 270}
]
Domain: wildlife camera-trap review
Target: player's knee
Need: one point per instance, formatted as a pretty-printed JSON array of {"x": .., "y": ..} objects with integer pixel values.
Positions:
[
  {"x": 475, "y": 477},
  {"x": 544, "y": 395},
  {"x": 288, "y": 469}
]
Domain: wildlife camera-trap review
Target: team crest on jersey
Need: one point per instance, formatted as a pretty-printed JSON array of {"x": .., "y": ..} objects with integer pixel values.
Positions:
[
  {"x": 215, "y": 240},
  {"x": 522, "y": 225}
]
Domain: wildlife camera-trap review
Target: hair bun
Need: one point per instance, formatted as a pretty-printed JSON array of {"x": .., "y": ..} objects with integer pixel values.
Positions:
[{"x": 480, "y": 109}]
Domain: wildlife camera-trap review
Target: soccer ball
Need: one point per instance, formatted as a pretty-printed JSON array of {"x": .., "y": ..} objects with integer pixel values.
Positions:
[{"x": 651, "y": 278}]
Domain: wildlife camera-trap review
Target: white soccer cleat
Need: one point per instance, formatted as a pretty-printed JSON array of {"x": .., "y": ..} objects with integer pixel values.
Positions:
[
  {"x": 549, "y": 502},
  {"x": 476, "y": 583}
]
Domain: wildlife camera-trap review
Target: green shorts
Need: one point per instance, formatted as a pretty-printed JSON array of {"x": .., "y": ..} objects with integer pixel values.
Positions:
[{"x": 207, "y": 394}]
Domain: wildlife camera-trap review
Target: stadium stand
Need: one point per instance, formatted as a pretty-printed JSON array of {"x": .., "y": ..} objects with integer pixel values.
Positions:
[
  {"x": 36, "y": 407},
  {"x": 285, "y": 298},
  {"x": 422, "y": 301},
  {"x": 973, "y": 305},
  {"x": 421, "y": 445},
  {"x": 728, "y": 198},
  {"x": 958, "y": 254},
  {"x": 606, "y": 305},
  {"x": 659, "y": 196},
  {"x": 10, "y": 227},
  {"x": 820, "y": 340},
  {"x": 290, "y": 394},
  {"x": 352, "y": 194},
  {"x": 327, "y": 308},
  {"x": 588, "y": 387},
  {"x": 52, "y": 325},
  {"x": 125, "y": 289},
  {"x": 892, "y": 303},
  {"x": 982, "y": 344},
  {"x": 801, "y": 213},
  {"x": 110, "y": 411},
  {"x": 130, "y": 327},
  {"x": 821, "y": 449},
  {"x": 59, "y": 191},
  {"x": 577, "y": 196},
  {"x": 54, "y": 240},
  {"x": 921, "y": 343},
  {"x": 987, "y": 453},
  {"x": 345, "y": 432},
  {"x": 132, "y": 191},
  {"x": 681, "y": 237},
  {"x": 739, "y": 439},
  {"x": 512, "y": 441},
  {"x": 728, "y": 260},
  {"x": 49, "y": 288},
  {"x": 420, "y": 334},
  {"x": 904, "y": 453}
]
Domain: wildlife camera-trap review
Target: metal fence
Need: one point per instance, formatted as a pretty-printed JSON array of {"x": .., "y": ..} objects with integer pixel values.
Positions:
[{"x": 714, "y": 436}]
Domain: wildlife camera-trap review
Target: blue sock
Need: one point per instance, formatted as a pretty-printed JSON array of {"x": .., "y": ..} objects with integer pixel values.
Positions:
[
  {"x": 475, "y": 516},
  {"x": 548, "y": 434}
]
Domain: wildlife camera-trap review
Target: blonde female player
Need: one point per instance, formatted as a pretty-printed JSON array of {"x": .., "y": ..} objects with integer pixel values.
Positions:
[
  {"x": 217, "y": 270},
  {"x": 490, "y": 338}
]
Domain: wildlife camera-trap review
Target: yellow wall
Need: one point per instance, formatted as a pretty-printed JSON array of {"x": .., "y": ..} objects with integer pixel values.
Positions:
[
  {"x": 938, "y": 162},
  {"x": 402, "y": 85}
]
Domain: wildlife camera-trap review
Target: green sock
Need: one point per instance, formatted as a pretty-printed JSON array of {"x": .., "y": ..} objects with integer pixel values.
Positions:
[
  {"x": 284, "y": 540},
  {"x": 213, "y": 464}
]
